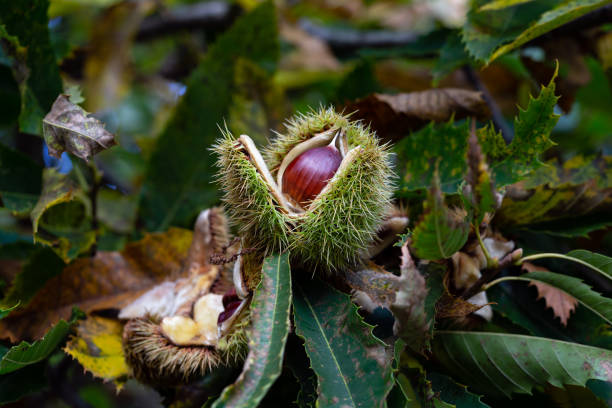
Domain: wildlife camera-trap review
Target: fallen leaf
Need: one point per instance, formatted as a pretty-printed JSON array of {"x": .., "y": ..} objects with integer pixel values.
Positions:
[
  {"x": 97, "y": 346},
  {"x": 393, "y": 116},
  {"x": 380, "y": 285},
  {"x": 110, "y": 280},
  {"x": 412, "y": 322},
  {"x": 560, "y": 302},
  {"x": 311, "y": 53},
  {"x": 68, "y": 127}
]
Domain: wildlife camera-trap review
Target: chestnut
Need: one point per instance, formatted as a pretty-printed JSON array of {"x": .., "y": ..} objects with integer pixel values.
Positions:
[{"x": 306, "y": 176}]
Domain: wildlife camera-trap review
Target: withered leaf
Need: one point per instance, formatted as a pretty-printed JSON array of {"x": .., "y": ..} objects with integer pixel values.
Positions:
[
  {"x": 379, "y": 284},
  {"x": 68, "y": 127},
  {"x": 97, "y": 346},
  {"x": 393, "y": 116},
  {"x": 110, "y": 280},
  {"x": 412, "y": 322},
  {"x": 560, "y": 302}
]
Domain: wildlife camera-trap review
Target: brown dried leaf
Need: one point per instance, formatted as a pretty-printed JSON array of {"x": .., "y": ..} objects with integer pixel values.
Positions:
[
  {"x": 379, "y": 284},
  {"x": 560, "y": 302},
  {"x": 311, "y": 52},
  {"x": 110, "y": 280},
  {"x": 450, "y": 306},
  {"x": 393, "y": 116},
  {"x": 67, "y": 127},
  {"x": 412, "y": 323}
]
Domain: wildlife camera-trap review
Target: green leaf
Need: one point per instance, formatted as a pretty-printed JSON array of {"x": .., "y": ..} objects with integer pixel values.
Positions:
[
  {"x": 42, "y": 266},
  {"x": 16, "y": 385},
  {"x": 268, "y": 335},
  {"x": 441, "y": 231},
  {"x": 25, "y": 354},
  {"x": 451, "y": 392},
  {"x": 558, "y": 16},
  {"x": 532, "y": 129},
  {"x": 502, "y": 364},
  {"x": 36, "y": 70},
  {"x": 573, "y": 227},
  {"x": 20, "y": 180},
  {"x": 501, "y": 4},
  {"x": 598, "y": 262},
  {"x": 62, "y": 212},
  {"x": 178, "y": 182},
  {"x": 602, "y": 306},
  {"x": 444, "y": 145},
  {"x": 485, "y": 31},
  {"x": 518, "y": 304},
  {"x": 349, "y": 361}
]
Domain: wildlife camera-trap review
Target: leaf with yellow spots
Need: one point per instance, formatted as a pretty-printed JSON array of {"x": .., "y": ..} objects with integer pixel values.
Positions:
[
  {"x": 443, "y": 146},
  {"x": 97, "y": 346},
  {"x": 532, "y": 129}
]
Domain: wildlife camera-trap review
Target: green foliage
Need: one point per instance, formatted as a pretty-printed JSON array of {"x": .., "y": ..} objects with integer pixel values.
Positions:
[
  {"x": 25, "y": 354},
  {"x": 20, "y": 180},
  {"x": 532, "y": 129},
  {"x": 270, "y": 327},
  {"x": 550, "y": 20},
  {"x": 502, "y": 364},
  {"x": 498, "y": 27},
  {"x": 598, "y": 262},
  {"x": 419, "y": 155},
  {"x": 180, "y": 170},
  {"x": 598, "y": 304},
  {"x": 334, "y": 333},
  {"x": 25, "y": 25},
  {"x": 441, "y": 231},
  {"x": 453, "y": 393}
]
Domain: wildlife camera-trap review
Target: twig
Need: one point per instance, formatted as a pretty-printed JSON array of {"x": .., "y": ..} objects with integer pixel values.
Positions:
[
  {"x": 345, "y": 40},
  {"x": 498, "y": 118},
  {"x": 93, "y": 196},
  {"x": 212, "y": 15}
]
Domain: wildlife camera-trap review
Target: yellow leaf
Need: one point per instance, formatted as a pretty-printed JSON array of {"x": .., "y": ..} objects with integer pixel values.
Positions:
[{"x": 97, "y": 346}]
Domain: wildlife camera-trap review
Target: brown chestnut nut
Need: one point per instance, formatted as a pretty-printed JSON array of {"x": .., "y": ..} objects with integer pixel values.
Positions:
[{"x": 308, "y": 174}]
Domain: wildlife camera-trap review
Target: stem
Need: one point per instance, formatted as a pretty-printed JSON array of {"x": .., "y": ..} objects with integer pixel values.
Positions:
[
  {"x": 491, "y": 262},
  {"x": 496, "y": 114},
  {"x": 562, "y": 256},
  {"x": 93, "y": 196},
  {"x": 499, "y": 280}
]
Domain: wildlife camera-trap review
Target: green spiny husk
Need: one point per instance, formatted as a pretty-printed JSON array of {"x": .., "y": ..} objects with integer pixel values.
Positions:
[{"x": 339, "y": 224}]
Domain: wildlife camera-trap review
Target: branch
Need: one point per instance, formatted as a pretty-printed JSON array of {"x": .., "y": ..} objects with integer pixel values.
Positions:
[
  {"x": 213, "y": 15},
  {"x": 498, "y": 118},
  {"x": 346, "y": 40}
]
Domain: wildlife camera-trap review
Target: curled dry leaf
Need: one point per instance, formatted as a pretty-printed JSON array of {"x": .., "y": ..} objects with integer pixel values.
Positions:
[
  {"x": 378, "y": 284},
  {"x": 68, "y": 127},
  {"x": 412, "y": 322},
  {"x": 110, "y": 280},
  {"x": 560, "y": 302},
  {"x": 393, "y": 116}
]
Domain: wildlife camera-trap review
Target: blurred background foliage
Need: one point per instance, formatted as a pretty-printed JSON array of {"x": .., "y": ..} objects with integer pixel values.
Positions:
[{"x": 164, "y": 75}]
